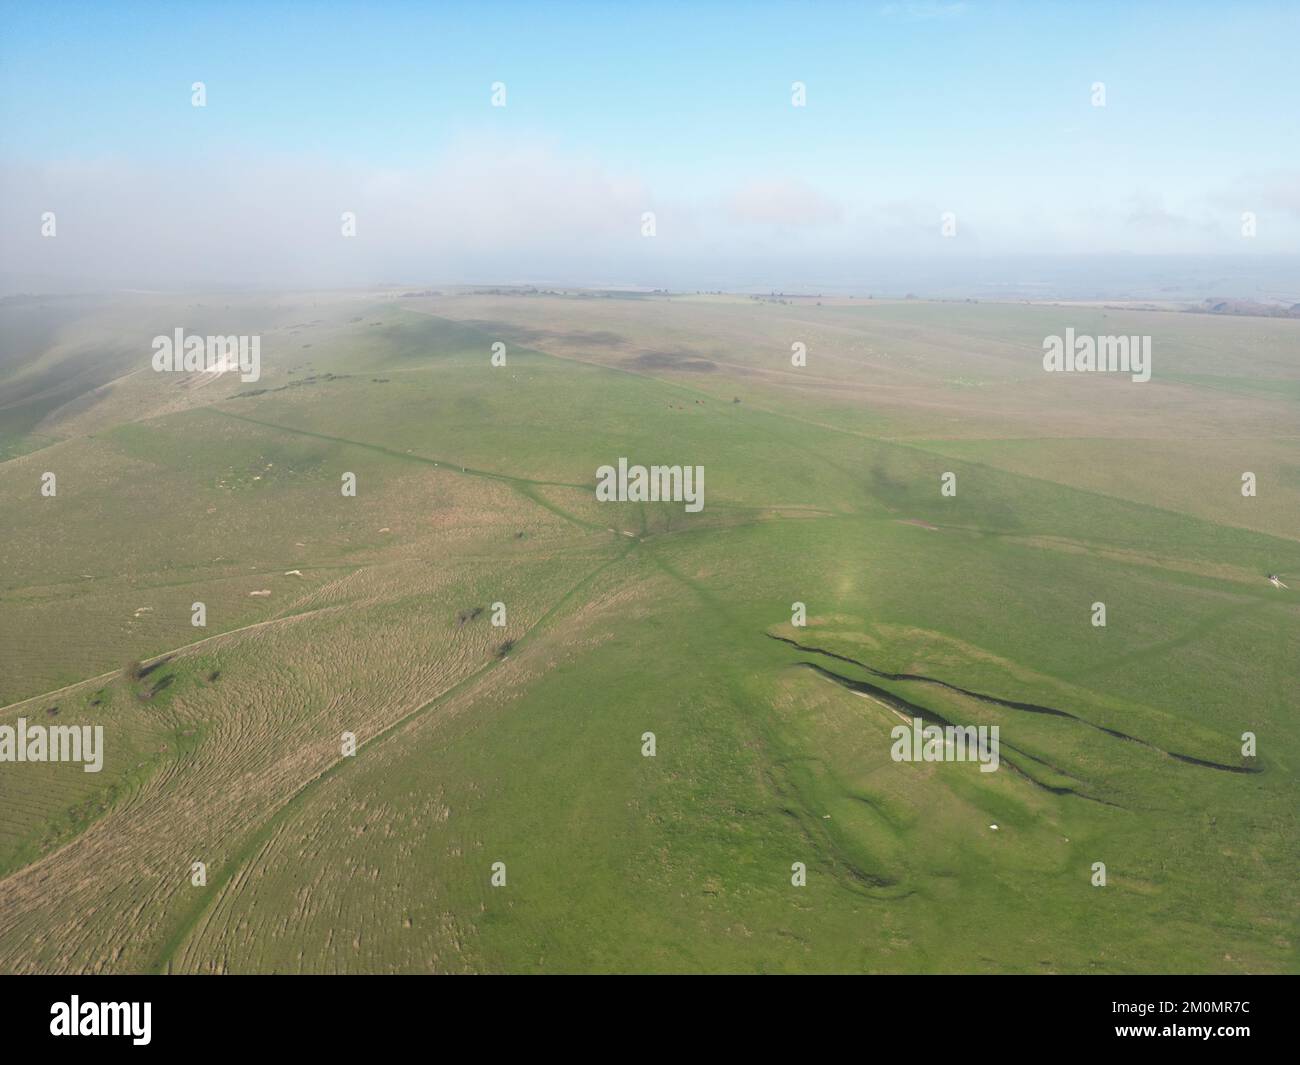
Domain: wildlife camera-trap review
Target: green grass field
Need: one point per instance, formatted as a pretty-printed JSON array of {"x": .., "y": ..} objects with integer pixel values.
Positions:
[{"x": 522, "y": 743}]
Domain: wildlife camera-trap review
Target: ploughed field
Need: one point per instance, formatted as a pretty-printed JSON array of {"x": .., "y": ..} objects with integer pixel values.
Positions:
[{"x": 521, "y": 743}]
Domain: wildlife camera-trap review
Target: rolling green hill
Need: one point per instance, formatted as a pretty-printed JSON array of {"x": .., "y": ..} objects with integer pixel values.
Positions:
[{"x": 522, "y": 743}]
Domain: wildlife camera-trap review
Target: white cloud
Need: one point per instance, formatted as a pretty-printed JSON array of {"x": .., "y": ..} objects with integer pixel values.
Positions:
[
  {"x": 491, "y": 210},
  {"x": 782, "y": 203}
]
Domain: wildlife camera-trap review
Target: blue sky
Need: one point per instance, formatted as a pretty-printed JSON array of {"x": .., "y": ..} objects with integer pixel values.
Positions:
[{"x": 982, "y": 109}]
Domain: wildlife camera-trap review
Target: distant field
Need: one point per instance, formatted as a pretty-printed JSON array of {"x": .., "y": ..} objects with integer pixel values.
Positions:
[{"x": 522, "y": 744}]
